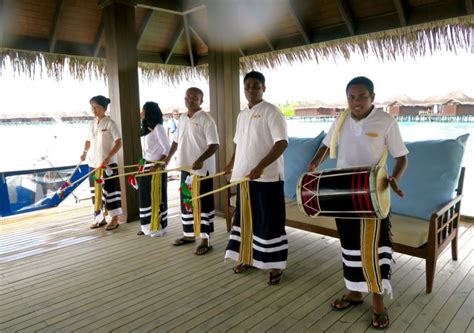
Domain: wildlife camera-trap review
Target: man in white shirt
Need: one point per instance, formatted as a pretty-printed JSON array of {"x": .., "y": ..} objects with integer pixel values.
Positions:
[
  {"x": 261, "y": 138},
  {"x": 198, "y": 141},
  {"x": 366, "y": 133}
]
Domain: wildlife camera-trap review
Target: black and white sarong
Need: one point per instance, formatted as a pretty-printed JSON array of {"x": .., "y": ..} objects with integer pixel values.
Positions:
[{"x": 269, "y": 240}]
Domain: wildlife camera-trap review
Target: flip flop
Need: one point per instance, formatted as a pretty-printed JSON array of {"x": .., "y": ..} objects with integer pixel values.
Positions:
[
  {"x": 274, "y": 279},
  {"x": 379, "y": 318},
  {"x": 98, "y": 225},
  {"x": 112, "y": 227},
  {"x": 182, "y": 241},
  {"x": 205, "y": 248},
  {"x": 338, "y": 304},
  {"x": 241, "y": 268}
]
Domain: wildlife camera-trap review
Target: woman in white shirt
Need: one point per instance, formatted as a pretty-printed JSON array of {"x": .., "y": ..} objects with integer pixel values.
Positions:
[
  {"x": 155, "y": 147},
  {"x": 102, "y": 144}
]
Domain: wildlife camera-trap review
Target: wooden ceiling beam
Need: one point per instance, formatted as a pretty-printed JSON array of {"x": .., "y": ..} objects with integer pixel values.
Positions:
[
  {"x": 267, "y": 41},
  {"x": 188, "y": 40},
  {"x": 469, "y": 6},
  {"x": 401, "y": 11},
  {"x": 98, "y": 37},
  {"x": 173, "y": 6},
  {"x": 3, "y": 17},
  {"x": 299, "y": 24},
  {"x": 346, "y": 15},
  {"x": 55, "y": 29},
  {"x": 146, "y": 19},
  {"x": 198, "y": 34},
  {"x": 174, "y": 41}
]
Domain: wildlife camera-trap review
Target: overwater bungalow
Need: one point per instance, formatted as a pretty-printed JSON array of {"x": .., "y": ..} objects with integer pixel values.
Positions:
[{"x": 57, "y": 275}]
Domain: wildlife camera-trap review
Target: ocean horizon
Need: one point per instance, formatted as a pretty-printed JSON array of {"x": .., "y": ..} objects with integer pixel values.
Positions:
[{"x": 36, "y": 146}]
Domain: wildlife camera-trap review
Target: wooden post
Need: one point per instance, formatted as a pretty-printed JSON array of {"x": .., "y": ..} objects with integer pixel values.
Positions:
[
  {"x": 122, "y": 73},
  {"x": 224, "y": 89}
]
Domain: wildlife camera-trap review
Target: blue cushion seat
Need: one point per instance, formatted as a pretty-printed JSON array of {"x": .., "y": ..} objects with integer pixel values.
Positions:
[
  {"x": 297, "y": 156},
  {"x": 431, "y": 177}
]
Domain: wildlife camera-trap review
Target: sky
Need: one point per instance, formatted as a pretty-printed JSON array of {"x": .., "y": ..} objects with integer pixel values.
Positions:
[{"x": 420, "y": 78}]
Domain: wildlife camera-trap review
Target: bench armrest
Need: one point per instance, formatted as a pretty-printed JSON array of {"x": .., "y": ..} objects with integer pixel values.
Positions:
[{"x": 446, "y": 207}]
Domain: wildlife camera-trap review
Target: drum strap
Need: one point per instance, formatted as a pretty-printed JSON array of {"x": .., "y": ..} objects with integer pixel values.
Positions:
[
  {"x": 335, "y": 134},
  {"x": 155, "y": 202},
  {"x": 195, "y": 190},
  {"x": 369, "y": 240},
  {"x": 246, "y": 227}
]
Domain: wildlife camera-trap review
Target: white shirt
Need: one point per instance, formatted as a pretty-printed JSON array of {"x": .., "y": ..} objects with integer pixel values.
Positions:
[
  {"x": 194, "y": 135},
  {"x": 258, "y": 129},
  {"x": 362, "y": 142},
  {"x": 155, "y": 144},
  {"x": 102, "y": 136}
]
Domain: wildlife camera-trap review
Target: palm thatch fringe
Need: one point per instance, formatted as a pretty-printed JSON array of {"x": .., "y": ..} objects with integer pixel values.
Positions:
[
  {"x": 171, "y": 74},
  {"x": 53, "y": 65},
  {"x": 411, "y": 41}
]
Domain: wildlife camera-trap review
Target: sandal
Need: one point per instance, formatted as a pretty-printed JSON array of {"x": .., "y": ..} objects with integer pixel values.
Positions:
[
  {"x": 343, "y": 303},
  {"x": 98, "y": 225},
  {"x": 112, "y": 227},
  {"x": 182, "y": 241},
  {"x": 274, "y": 279},
  {"x": 380, "y": 321},
  {"x": 241, "y": 268},
  {"x": 202, "y": 249}
]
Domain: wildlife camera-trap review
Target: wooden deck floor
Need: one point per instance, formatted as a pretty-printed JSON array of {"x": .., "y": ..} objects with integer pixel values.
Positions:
[{"x": 58, "y": 275}]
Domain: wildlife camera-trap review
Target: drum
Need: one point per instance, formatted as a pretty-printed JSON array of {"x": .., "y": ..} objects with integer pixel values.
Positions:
[{"x": 361, "y": 192}]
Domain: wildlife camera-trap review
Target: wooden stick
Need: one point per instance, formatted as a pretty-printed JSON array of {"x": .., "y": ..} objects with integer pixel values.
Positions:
[
  {"x": 185, "y": 168},
  {"x": 237, "y": 182},
  {"x": 82, "y": 178},
  {"x": 211, "y": 176},
  {"x": 135, "y": 165}
]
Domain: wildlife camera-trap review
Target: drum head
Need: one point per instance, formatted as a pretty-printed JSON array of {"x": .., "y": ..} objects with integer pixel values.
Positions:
[{"x": 382, "y": 192}]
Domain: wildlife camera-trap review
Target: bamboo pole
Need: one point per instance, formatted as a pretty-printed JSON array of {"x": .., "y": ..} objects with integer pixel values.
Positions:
[{"x": 237, "y": 182}]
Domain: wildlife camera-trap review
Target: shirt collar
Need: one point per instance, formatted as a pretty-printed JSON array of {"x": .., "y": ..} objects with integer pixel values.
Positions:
[{"x": 255, "y": 106}]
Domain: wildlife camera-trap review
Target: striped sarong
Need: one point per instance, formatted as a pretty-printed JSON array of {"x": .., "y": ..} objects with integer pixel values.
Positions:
[
  {"x": 366, "y": 254},
  {"x": 269, "y": 243}
]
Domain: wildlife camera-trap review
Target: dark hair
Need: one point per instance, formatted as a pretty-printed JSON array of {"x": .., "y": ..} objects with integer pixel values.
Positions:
[
  {"x": 198, "y": 90},
  {"x": 153, "y": 117},
  {"x": 255, "y": 75},
  {"x": 362, "y": 80},
  {"x": 101, "y": 100}
]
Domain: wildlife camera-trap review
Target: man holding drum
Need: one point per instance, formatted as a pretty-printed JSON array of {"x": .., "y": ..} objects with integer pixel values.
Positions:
[
  {"x": 258, "y": 238},
  {"x": 364, "y": 137}
]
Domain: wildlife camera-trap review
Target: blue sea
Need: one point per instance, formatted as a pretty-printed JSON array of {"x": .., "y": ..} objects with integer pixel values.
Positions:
[{"x": 25, "y": 147}]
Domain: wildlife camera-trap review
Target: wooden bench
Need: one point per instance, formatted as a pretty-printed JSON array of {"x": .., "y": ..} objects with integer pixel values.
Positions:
[{"x": 410, "y": 236}]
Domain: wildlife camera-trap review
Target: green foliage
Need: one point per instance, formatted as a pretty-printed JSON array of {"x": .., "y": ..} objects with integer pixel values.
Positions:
[{"x": 288, "y": 108}]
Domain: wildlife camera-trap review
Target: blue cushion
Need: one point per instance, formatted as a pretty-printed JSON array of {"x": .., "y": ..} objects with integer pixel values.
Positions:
[
  {"x": 297, "y": 156},
  {"x": 431, "y": 177}
]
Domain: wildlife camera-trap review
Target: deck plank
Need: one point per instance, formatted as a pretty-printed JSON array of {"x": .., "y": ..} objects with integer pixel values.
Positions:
[{"x": 58, "y": 275}]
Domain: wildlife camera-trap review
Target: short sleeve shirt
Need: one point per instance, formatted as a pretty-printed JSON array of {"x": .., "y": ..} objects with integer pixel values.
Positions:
[
  {"x": 155, "y": 144},
  {"x": 257, "y": 130},
  {"x": 362, "y": 142},
  {"x": 194, "y": 135},
  {"x": 102, "y": 136}
]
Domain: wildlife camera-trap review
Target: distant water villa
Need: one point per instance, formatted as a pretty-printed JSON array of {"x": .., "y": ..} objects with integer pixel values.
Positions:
[{"x": 454, "y": 107}]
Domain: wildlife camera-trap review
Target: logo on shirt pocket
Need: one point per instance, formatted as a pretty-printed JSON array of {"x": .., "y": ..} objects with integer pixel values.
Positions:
[
  {"x": 372, "y": 134},
  {"x": 256, "y": 116}
]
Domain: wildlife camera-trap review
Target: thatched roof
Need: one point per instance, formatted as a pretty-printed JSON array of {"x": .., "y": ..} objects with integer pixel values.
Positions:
[
  {"x": 49, "y": 36},
  {"x": 455, "y": 97}
]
